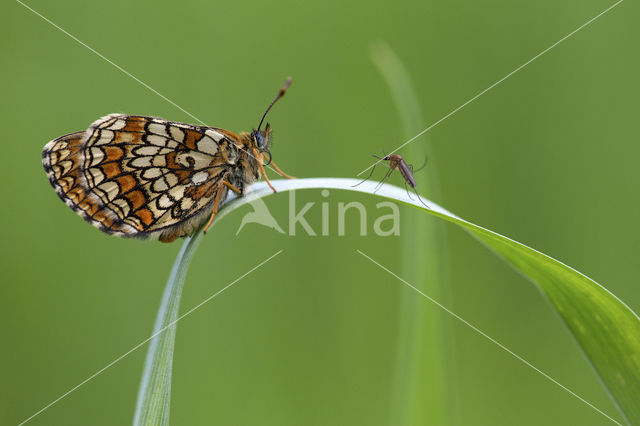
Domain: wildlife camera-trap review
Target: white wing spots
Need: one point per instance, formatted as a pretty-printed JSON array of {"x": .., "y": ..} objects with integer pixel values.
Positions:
[
  {"x": 176, "y": 134},
  {"x": 158, "y": 129},
  {"x": 66, "y": 183},
  {"x": 199, "y": 177},
  {"x": 152, "y": 173},
  {"x": 159, "y": 161},
  {"x": 167, "y": 216},
  {"x": 123, "y": 205},
  {"x": 157, "y": 140},
  {"x": 193, "y": 159},
  {"x": 186, "y": 203},
  {"x": 164, "y": 201},
  {"x": 96, "y": 155},
  {"x": 62, "y": 168},
  {"x": 95, "y": 175},
  {"x": 106, "y": 136},
  {"x": 62, "y": 154},
  {"x": 160, "y": 185},
  {"x": 147, "y": 150},
  {"x": 110, "y": 188},
  {"x": 118, "y": 123},
  {"x": 141, "y": 162},
  {"x": 177, "y": 192},
  {"x": 161, "y": 141},
  {"x": 172, "y": 180},
  {"x": 215, "y": 135},
  {"x": 207, "y": 145},
  {"x": 157, "y": 207}
]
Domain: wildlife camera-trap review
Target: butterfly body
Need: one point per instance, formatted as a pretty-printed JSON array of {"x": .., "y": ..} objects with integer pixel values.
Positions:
[{"x": 136, "y": 176}]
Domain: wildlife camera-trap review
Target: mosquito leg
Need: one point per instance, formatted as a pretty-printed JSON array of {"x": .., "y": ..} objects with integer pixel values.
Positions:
[
  {"x": 423, "y": 203},
  {"x": 367, "y": 178},
  {"x": 407, "y": 189},
  {"x": 382, "y": 181}
]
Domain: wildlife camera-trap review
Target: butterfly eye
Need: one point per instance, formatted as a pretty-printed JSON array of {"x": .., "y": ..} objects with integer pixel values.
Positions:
[{"x": 259, "y": 139}]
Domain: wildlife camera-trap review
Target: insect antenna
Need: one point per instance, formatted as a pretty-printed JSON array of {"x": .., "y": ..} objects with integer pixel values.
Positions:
[
  {"x": 278, "y": 96},
  {"x": 370, "y": 174},
  {"x": 267, "y": 152},
  {"x": 426, "y": 158}
]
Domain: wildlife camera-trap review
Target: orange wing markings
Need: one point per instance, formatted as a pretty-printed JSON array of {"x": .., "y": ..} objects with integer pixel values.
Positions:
[
  {"x": 133, "y": 175},
  {"x": 191, "y": 137},
  {"x": 134, "y": 124},
  {"x": 126, "y": 182},
  {"x": 145, "y": 216}
]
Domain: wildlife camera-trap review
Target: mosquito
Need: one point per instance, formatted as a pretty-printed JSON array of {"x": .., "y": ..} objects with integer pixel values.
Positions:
[{"x": 396, "y": 162}]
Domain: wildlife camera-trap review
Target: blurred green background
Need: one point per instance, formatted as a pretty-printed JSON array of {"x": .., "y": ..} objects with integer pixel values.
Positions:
[{"x": 549, "y": 158}]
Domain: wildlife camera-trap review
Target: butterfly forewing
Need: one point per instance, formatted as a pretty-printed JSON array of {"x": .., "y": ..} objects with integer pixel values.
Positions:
[{"x": 140, "y": 176}]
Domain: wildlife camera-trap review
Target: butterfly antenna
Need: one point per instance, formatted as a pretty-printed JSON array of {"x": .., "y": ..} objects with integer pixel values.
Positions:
[{"x": 278, "y": 96}]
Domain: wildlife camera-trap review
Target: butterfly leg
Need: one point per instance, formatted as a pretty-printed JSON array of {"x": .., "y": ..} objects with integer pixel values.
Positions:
[
  {"x": 264, "y": 174},
  {"x": 231, "y": 187},
  {"x": 216, "y": 204},
  {"x": 280, "y": 172}
]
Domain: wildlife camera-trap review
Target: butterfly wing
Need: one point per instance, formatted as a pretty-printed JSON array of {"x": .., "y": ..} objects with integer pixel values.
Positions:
[{"x": 135, "y": 176}]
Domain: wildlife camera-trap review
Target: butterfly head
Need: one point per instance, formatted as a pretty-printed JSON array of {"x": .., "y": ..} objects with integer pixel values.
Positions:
[{"x": 262, "y": 138}]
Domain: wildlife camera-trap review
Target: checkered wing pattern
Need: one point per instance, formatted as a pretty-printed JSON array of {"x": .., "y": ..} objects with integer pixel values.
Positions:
[{"x": 136, "y": 176}]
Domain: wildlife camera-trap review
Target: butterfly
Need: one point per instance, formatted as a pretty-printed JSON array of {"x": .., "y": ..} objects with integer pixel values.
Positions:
[
  {"x": 396, "y": 162},
  {"x": 136, "y": 176}
]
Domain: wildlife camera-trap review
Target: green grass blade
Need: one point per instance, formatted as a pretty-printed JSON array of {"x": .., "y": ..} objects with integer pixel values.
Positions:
[
  {"x": 154, "y": 395},
  {"x": 607, "y": 330},
  {"x": 421, "y": 388}
]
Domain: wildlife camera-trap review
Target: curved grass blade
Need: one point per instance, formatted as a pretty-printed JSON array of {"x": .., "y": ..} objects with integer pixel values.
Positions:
[
  {"x": 154, "y": 395},
  {"x": 606, "y": 329}
]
